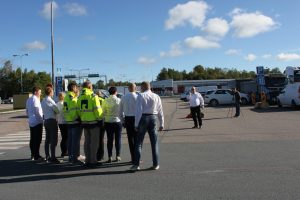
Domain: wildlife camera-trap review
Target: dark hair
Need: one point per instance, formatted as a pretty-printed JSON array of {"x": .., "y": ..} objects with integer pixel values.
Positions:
[
  {"x": 48, "y": 90},
  {"x": 49, "y": 85},
  {"x": 35, "y": 89},
  {"x": 71, "y": 86},
  {"x": 112, "y": 90},
  {"x": 87, "y": 84}
]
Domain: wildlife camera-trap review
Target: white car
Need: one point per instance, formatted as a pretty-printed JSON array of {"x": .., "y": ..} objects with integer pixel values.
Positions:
[
  {"x": 290, "y": 96},
  {"x": 223, "y": 96}
]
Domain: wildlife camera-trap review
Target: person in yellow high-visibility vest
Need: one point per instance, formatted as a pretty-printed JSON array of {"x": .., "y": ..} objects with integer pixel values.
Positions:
[
  {"x": 90, "y": 113},
  {"x": 72, "y": 119}
]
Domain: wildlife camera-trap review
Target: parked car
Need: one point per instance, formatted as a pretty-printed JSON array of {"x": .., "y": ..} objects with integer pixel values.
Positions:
[
  {"x": 222, "y": 97},
  {"x": 119, "y": 95},
  {"x": 290, "y": 96},
  {"x": 8, "y": 101},
  {"x": 184, "y": 95}
]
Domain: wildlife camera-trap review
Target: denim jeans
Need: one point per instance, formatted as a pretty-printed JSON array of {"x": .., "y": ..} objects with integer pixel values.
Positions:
[
  {"x": 147, "y": 123},
  {"x": 74, "y": 136},
  {"x": 113, "y": 131}
]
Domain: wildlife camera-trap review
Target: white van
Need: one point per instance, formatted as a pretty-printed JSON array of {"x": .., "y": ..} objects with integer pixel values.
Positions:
[{"x": 290, "y": 95}]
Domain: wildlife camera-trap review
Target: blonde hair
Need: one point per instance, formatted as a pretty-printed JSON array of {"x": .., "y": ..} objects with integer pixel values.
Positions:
[{"x": 61, "y": 96}]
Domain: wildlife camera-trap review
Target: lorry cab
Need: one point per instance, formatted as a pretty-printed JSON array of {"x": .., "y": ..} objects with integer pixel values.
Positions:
[{"x": 290, "y": 95}]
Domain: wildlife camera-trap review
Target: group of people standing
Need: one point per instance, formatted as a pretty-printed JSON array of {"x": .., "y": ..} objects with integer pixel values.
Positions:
[{"x": 87, "y": 112}]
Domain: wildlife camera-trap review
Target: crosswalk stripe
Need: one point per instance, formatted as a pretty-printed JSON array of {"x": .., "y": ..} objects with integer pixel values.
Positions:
[
  {"x": 13, "y": 139},
  {"x": 10, "y": 148},
  {"x": 13, "y": 143}
]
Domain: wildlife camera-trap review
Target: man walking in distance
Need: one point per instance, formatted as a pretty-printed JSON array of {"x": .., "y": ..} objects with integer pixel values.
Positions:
[
  {"x": 196, "y": 101},
  {"x": 90, "y": 112},
  {"x": 35, "y": 119},
  {"x": 50, "y": 110},
  {"x": 148, "y": 109},
  {"x": 72, "y": 118},
  {"x": 237, "y": 101},
  {"x": 127, "y": 112}
]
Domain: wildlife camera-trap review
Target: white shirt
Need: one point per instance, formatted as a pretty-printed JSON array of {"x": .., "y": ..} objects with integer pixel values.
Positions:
[
  {"x": 196, "y": 99},
  {"x": 49, "y": 108},
  {"x": 60, "y": 116},
  {"x": 110, "y": 108},
  {"x": 34, "y": 111},
  {"x": 128, "y": 105},
  {"x": 149, "y": 103}
]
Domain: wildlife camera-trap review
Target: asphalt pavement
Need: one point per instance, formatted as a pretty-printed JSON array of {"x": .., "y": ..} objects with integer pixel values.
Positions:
[{"x": 255, "y": 156}]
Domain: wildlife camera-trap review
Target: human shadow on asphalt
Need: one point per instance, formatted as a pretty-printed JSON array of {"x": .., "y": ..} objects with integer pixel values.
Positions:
[
  {"x": 23, "y": 170},
  {"x": 19, "y": 117},
  {"x": 274, "y": 109}
]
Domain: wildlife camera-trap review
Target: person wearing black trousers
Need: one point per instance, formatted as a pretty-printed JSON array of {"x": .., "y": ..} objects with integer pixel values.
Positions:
[
  {"x": 127, "y": 112},
  {"x": 196, "y": 101},
  {"x": 62, "y": 125},
  {"x": 237, "y": 101}
]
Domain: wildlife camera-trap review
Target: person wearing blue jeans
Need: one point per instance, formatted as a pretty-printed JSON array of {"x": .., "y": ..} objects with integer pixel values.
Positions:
[
  {"x": 147, "y": 124},
  {"x": 148, "y": 109},
  {"x": 74, "y": 137}
]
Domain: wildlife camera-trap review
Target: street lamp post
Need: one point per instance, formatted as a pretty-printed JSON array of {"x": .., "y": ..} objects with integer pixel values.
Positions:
[
  {"x": 79, "y": 73},
  {"x": 21, "y": 56}
]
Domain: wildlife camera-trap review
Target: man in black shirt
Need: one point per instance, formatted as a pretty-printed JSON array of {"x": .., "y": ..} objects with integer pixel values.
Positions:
[{"x": 237, "y": 100}]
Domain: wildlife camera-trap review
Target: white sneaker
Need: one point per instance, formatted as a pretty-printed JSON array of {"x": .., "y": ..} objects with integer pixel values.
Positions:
[
  {"x": 135, "y": 168},
  {"x": 155, "y": 167}
]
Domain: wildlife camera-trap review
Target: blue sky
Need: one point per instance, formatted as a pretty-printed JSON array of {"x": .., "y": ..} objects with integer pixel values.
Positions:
[{"x": 133, "y": 40}]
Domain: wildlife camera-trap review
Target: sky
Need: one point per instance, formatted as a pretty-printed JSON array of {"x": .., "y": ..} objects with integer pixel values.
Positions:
[{"x": 133, "y": 40}]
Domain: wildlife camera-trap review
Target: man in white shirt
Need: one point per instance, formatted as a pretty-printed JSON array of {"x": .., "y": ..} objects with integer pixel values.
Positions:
[
  {"x": 50, "y": 110},
  {"x": 127, "y": 112},
  {"x": 35, "y": 120},
  {"x": 196, "y": 101},
  {"x": 148, "y": 109}
]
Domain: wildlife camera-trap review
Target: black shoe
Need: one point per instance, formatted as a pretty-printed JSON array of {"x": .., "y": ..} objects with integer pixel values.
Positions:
[
  {"x": 195, "y": 126},
  {"x": 53, "y": 160}
]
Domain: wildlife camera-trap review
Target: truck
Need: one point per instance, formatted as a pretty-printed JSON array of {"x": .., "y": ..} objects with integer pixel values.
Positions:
[{"x": 290, "y": 95}]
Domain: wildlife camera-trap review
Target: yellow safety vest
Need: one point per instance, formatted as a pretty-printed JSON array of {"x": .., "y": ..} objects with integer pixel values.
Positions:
[
  {"x": 89, "y": 107},
  {"x": 70, "y": 109}
]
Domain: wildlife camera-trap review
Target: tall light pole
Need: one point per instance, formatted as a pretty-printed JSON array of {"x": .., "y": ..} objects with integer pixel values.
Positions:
[
  {"x": 21, "y": 56},
  {"x": 79, "y": 72},
  {"x": 52, "y": 45}
]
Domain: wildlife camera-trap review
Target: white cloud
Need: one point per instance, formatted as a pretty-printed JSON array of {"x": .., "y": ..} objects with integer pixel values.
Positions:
[
  {"x": 198, "y": 42},
  {"x": 251, "y": 24},
  {"x": 144, "y": 38},
  {"x": 236, "y": 11},
  {"x": 288, "y": 56},
  {"x": 216, "y": 27},
  {"x": 46, "y": 12},
  {"x": 192, "y": 12},
  {"x": 250, "y": 57},
  {"x": 35, "y": 45},
  {"x": 146, "y": 60},
  {"x": 75, "y": 9},
  {"x": 175, "y": 51},
  {"x": 267, "y": 56},
  {"x": 232, "y": 52}
]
